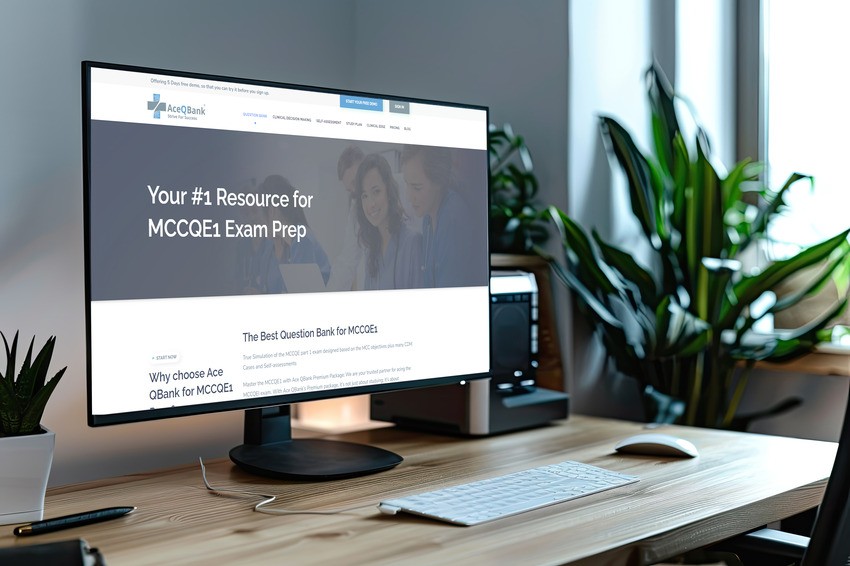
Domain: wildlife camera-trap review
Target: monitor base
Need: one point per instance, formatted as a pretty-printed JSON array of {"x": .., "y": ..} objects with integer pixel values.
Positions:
[
  {"x": 313, "y": 459},
  {"x": 269, "y": 450}
]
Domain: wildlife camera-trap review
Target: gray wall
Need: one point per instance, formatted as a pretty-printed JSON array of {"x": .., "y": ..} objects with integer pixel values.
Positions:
[
  {"x": 610, "y": 50},
  {"x": 509, "y": 55},
  {"x": 505, "y": 54}
]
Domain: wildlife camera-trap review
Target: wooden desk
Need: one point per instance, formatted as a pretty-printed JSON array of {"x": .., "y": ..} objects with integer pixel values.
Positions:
[{"x": 739, "y": 482}]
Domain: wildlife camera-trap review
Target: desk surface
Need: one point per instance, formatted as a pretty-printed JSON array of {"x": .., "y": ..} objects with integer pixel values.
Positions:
[{"x": 739, "y": 482}]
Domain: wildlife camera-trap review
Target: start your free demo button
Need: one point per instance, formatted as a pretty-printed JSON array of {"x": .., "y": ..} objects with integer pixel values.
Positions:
[{"x": 361, "y": 103}]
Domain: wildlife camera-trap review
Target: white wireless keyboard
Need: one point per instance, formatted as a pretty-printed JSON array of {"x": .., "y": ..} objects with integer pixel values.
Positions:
[{"x": 502, "y": 496}]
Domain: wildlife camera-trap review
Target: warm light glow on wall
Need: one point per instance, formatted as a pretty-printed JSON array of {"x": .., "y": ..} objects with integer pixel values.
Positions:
[{"x": 335, "y": 415}]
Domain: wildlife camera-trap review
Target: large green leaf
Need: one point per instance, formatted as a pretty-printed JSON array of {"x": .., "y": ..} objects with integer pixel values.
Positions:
[
  {"x": 711, "y": 205},
  {"x": 25, "y": 383},
  {"x": 575, "y": 239},
  {"x": 751, "y": 287},
  {"x": 11, "y": 354},
  {"x": 775, "y": 202},
  {"x": 622, "y": 353},
  {"x": 634, "y": 164},
  {"x": 31, "y": 418},
  {"x": 677, "y": 202},
  {"x": 717, "y": 273},
  {"x": 738, "y": 214},
  {"x": 585, "y": 295},
  {"x": 10, "y": 413},
  {"x": 32, "y": 377},
  {"x": 659, "y": 138},
  {"x": 691, "y": 235},
  {"x": 637, "y": 326},
  {"x": 791, "y": 345},
  {"x": 677, "y": 212},
  {"x": 825, "y": 274},
  {"x": 659, "y": 183},
  {"x": 631, "y": 270},
  {"x": 665, "y": 123},
  {"x": 683, "y": 334},
  {"x": 731, "y": 185}
]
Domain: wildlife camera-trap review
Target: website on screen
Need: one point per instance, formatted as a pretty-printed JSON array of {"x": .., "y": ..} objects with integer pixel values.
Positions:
[{"x": 252, "y": 241}]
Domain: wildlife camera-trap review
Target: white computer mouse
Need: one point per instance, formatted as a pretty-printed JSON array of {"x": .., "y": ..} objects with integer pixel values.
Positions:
[{"x": 657, "y": 444}]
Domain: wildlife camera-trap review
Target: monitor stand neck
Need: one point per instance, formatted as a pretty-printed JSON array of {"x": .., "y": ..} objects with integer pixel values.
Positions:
[{"x": 269, "y": 450}]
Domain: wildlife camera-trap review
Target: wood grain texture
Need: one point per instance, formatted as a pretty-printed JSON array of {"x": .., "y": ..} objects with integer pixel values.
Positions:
[{"x": 739, "y": 482}]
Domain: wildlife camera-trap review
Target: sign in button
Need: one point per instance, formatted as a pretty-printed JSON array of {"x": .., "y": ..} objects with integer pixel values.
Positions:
[
  {"x": 361, "y": 103},
  {"x": 399, "y": 107}
]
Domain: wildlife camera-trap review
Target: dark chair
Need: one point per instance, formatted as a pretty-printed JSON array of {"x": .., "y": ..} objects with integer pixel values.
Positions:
[{"x": 829, "y": 544}]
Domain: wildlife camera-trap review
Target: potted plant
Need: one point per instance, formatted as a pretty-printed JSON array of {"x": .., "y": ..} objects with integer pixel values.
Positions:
[
  {"x": 517, "y": 221},
  {"x": 681, "y": 321},
  {"x": 26, "y": 447}
]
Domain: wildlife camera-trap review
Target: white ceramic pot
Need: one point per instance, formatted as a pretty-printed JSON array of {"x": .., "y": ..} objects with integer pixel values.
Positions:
[{"x": 24, "y": 468}]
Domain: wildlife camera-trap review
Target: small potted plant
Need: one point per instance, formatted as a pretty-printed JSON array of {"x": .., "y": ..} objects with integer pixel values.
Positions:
[
  {"x": 517, "y": 221},
  {"x": 26, "y": 447}
]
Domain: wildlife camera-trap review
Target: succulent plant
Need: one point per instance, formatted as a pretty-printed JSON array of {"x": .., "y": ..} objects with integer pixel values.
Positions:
[{"x": 23, "y": 398}]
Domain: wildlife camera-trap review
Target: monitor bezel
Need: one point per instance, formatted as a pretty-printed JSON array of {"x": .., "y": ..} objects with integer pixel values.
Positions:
[{"x": 96, "y": 420}]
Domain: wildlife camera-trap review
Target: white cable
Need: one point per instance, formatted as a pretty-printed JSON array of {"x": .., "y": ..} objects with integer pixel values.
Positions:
[{"x": 267, "y": 499}]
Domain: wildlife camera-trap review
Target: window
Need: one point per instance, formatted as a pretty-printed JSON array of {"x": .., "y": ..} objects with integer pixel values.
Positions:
[
  {"x": 806, "y": 122},
  {"x": 807, "y": 118}
]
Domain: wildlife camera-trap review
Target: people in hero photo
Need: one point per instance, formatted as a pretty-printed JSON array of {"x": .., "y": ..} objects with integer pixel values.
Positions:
[
  {"x": 393, "y": 250},
  {"x": 447, "y": 221}
]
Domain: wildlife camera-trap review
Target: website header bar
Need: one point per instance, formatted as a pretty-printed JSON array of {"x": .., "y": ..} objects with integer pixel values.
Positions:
[{"x": 147, "y": 98}]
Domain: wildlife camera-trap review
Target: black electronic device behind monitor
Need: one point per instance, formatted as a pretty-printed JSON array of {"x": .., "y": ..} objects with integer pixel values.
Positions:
[{"x": 228, "y": 266}]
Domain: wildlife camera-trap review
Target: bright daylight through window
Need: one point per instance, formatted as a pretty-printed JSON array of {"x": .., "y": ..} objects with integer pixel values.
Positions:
[
  {"x": 807, "y": 93},
  {"x": 806, "y": 119}
]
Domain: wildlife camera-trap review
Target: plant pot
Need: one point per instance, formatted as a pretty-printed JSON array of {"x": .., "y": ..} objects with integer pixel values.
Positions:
[{"x": 24, "y": 468}]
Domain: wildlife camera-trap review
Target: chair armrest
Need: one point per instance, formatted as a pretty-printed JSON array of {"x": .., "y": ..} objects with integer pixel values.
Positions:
[{"x": 769, "y": 542}]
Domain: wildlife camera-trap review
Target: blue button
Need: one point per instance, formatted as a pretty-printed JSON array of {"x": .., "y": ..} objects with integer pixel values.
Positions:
[{"x": 361, "y": 103}]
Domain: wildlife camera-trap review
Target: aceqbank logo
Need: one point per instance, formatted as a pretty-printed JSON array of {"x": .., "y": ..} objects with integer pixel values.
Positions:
[
  {"x": 183, "y": 111},
  {"x": 156, "y": 106}
]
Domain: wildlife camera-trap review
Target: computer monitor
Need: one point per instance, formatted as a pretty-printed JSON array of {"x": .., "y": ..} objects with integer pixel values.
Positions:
[{"x": 252, "y": 244}]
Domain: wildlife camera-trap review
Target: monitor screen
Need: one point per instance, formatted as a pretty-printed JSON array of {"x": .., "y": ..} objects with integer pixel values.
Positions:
[{"x": 253, "y": 244}]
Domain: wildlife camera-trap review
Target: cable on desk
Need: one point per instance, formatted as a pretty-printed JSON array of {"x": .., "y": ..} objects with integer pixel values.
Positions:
[{"x": 267, "y": 499}]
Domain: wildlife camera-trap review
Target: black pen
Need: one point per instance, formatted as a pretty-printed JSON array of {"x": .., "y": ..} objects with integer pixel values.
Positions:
[{"x": 69, "y": 521}]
